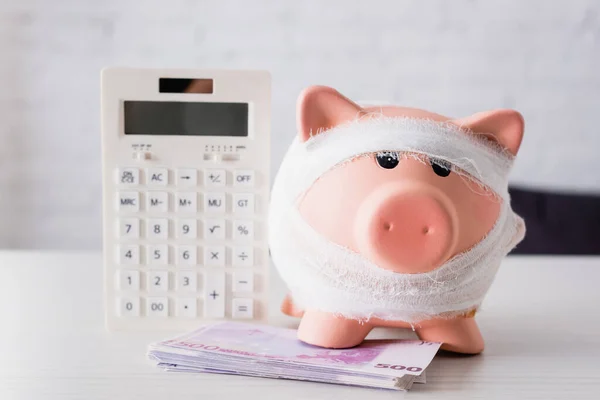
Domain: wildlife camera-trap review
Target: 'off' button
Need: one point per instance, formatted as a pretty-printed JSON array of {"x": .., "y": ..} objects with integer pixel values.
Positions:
[{"x": 243, "y": 178}]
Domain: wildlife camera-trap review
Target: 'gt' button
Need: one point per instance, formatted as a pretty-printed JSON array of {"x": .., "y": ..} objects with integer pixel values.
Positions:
[{"x": 243, "y": 203}]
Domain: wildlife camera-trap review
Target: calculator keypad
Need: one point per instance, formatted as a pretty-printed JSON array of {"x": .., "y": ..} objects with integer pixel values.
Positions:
[
  {"x": 214, "y": 298},
  {"x": 128, "y": 176},
  {"x": 243, "y": 203},
  {"x": 157, "y": 307},
  {"x": 129, "y": 254},
  {"x": 242, "y": 308},
  {"x": 243, "y": 256},
  {"x": 187, "y": 281},
  {"x": 215, "y": 177},
  {"x": 129, "y": 228},
  {"x": 186, "y": 307},
  {"x": 187, "y": 255},
  {"x": 129, "y": 280},
  {"x": 214, "y": 203},
  {"x": 187, "y": 228},
  {"x": 158, "y": 281},
  {"x": 129, "y": 307},
  {"x": 157, "y": 202},
  {"x": 243, "y": 230},
  {"x": 186, "y": 202},
  {"x": 214, "y": 256},
  {"x": 214, "y": 229},
  {"x": 185, "y": 243},
  {"x": 187, "y": 177},
  {"x": 128, "y": 202},
  {"x": 157, "y": 177},
  {"x": 243, "y": 178},
  {"x": 158, "y": 254}
]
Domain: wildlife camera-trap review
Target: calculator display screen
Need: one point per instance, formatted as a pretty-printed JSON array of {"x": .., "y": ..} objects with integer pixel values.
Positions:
[{"x": 186, "y": 118}]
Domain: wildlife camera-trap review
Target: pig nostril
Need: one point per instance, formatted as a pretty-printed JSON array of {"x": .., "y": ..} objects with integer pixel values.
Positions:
[
  {"x": 426, "y": 230},
  {"x": 387, "y": 226}
]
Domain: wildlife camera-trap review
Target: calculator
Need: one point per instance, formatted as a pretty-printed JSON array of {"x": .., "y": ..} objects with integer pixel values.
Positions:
[{"x": 185, "y": 160}]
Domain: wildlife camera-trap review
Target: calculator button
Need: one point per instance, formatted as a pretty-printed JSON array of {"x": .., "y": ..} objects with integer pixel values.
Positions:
[
  {"x": 186, "y": 202},
  {"x": 129, "y": 280},
  {"x": 186, "y": 255},
  {"x": 187, "y": 228},
  {"x": 158, "y": 254},
  {"x": 157, "y": 202},
  {"x": 243, "y": 256},
  {"x": 242, "y": 308},
  {"x": 243, "y": 203},
  {"x": 214, "y": 202},
  {"x": 243, "y": 281},
  {"x": 243, "y": 178},
  {"x": 214, "y": 295},
  {"x": 157, "y": 177},
  {"x": 215, "y": 177},
  {"x": 187, "y": 281},
  {"x": 129, "y": 254},
  {"x": 214, "y": 256},
  {"x": 187, "y": 177},
  {"x": 128, "y": 307},
  {"x": 128, "y": 201},
  {"x": 186, "y": 307},
  {"x": 128, "y": 176},
  {"x": 214, "y": 229},
  {"x": 157, "y": 307},
  {"x": 129, "y": 228},
  {"x": 157, "y": 229},
  {"x": 243, "y": 230},
  {"x": 158, "y": 281}
]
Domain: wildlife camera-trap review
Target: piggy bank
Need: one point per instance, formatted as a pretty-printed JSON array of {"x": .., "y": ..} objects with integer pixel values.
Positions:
[{"x": 386, "y": 216}]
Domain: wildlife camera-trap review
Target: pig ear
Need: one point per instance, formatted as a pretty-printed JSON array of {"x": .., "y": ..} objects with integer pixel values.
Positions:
[
  {"x": 320, "y": 108},
  {"x": 504, "y": 126}
]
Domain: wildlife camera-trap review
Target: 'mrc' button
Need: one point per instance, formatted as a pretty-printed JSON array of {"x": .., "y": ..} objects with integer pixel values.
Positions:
[{"x": 128, "y": 201}]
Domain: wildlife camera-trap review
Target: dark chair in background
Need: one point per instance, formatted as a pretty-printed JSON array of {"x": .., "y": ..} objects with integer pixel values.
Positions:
[{"x": 557, "y": 223}]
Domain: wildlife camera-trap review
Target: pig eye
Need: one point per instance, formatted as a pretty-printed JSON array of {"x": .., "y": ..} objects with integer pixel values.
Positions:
[
  {"x": 387, "y": 159},
  {"x": 440, "y": 167}
]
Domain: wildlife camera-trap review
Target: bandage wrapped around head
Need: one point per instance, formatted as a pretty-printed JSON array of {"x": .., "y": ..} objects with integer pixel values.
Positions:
[{"x": 391, "y": 216}]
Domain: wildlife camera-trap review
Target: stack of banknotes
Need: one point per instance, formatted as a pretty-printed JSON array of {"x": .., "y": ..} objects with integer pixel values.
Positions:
[{"x": 273, "y": 352}]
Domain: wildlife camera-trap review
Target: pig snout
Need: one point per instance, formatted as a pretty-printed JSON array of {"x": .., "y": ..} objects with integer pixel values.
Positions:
[{"x": 407, "y": 227}]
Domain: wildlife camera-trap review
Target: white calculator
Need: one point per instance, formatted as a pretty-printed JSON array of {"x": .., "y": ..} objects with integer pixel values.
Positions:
[{"x": 185, "y": 158}]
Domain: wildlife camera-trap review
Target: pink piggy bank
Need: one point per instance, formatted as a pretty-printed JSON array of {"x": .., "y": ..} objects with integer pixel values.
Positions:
[{"x": 392, "y": 216}]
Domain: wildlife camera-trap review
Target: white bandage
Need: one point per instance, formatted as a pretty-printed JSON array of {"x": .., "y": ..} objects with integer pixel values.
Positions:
[{"x": 326, "y": 276}]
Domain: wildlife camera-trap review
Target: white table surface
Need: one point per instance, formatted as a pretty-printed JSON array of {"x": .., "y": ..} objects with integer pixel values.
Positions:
[{"x": 540, "y": 320}]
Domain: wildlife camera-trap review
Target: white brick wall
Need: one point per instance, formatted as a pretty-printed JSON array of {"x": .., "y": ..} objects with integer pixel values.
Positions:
[{"x": 455, "y": 58}]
